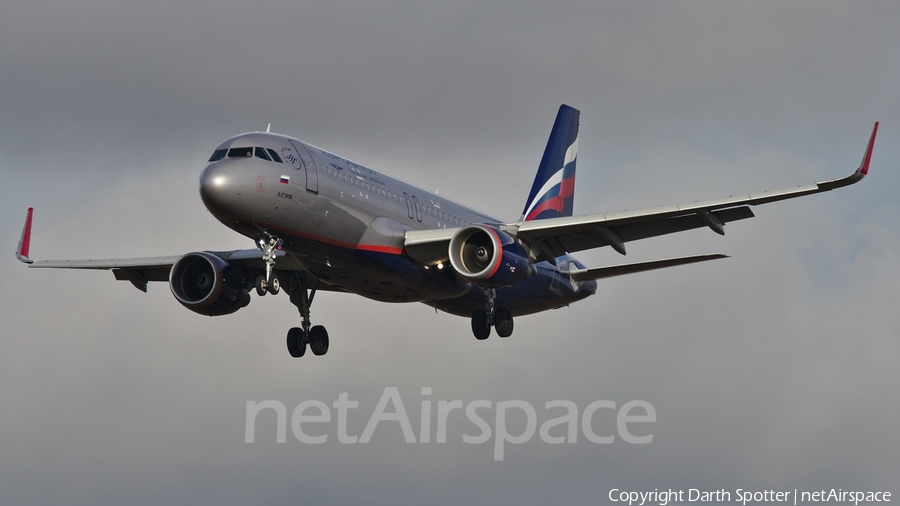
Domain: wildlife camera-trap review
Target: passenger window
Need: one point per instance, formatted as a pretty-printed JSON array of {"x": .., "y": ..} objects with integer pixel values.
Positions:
[
  {"x": 261, "y": 153},
  {"x": 240, "y": 152},
  {"x": 275, "y": 157},
  {"x": 218, "y": 155}
]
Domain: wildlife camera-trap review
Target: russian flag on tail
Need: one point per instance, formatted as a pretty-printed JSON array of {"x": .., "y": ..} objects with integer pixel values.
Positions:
[{"x": 552, "y": 193}]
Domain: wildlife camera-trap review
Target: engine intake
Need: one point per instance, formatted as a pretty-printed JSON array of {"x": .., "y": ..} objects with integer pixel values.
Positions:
[
  {"x": 489, "y": 257},
  {"x": 208, "y": 285}
]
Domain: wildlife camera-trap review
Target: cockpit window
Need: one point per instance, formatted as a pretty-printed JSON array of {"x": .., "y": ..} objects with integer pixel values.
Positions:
[
  {"x": 218, "y": 155},
  {"x": 267, "y": 154},
  {"x": 240, "y": 152},
  {"x": 261, "y": 153},
  {"x": 275, "y": 157}
]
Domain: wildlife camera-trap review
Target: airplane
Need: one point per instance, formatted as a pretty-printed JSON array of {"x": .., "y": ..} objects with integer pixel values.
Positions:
[{"x": 321, "y": 222}]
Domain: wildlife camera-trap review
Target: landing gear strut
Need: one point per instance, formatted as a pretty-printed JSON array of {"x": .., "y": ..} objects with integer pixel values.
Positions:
[
  {"x": 298, "y": 337},
  {"x": 499, "y": 318},
  {"x": 301, "y": 296}
]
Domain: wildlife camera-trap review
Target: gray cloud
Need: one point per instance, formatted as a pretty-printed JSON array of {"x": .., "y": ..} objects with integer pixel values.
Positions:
[{"x": 775, "y": 368}]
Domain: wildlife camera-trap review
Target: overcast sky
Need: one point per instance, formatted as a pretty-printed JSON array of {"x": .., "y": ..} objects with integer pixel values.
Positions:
[{"x": 774, "y": 369}]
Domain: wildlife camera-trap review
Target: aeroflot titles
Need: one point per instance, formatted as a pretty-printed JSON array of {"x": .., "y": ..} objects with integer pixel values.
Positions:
[{"x": 311, "y": 412}]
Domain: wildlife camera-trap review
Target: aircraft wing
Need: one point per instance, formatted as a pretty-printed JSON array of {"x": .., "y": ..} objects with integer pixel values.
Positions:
[
  {"x": 141, "y": 270},
  {"x": 553, "y": 237},
  {"x": 137, "y": 270}
]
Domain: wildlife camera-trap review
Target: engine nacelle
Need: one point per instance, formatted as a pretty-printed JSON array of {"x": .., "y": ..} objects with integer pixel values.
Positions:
[
  {"x": 488, "y": 257},
  {"x": 206, "y": 284}
]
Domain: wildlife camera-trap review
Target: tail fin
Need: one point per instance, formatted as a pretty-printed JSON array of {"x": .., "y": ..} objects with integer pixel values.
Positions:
[{"x": 552, "y": 193}]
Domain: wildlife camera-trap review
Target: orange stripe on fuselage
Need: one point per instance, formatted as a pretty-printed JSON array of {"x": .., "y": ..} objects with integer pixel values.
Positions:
[{"x": 379, "y": 249}]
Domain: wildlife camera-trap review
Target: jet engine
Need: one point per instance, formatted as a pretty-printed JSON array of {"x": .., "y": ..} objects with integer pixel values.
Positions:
[
  {"x": 208, "y": 285},
  {"x": 488, "y": 257}
]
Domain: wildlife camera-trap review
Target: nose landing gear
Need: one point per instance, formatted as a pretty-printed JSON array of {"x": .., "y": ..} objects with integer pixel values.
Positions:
[
  {"x": 264, "y": 286},
  {"x": 268, "y": 244}
]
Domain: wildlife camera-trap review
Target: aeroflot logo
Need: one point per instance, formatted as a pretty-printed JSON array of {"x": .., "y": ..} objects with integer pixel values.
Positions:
[
  {"x": 558, "y": 187},
  {"x": 315, "y": 422}
]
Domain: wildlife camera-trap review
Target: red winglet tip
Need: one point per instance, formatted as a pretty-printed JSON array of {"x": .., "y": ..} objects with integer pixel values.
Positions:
[
  {"x": 25, "y": 242},
  {"x": 864, "y": 167}
]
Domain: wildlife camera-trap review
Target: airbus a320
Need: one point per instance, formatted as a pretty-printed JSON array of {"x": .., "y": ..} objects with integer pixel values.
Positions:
[{"x": 322, "y": 222}]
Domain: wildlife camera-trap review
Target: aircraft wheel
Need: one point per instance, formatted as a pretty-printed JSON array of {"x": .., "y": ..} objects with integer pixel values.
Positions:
[
  {"x": 503, "y": 322},
  {"x": 480, "y": 326},
  {"x": 318, "y": 340},
  {"x": 261, "y": 285},
  {"x": 274, "y": 286},
  {"x": 295, "y": 346}
]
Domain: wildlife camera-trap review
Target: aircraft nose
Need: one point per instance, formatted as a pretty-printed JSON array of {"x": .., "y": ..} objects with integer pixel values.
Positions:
[{"x": 221, "y": 188}]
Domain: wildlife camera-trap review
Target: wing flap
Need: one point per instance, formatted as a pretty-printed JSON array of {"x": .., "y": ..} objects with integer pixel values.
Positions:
[{"x": 139, "y": 278}]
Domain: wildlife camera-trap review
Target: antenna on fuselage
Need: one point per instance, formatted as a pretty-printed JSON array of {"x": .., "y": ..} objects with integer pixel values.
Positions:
[{"x": 269, "y": 128}]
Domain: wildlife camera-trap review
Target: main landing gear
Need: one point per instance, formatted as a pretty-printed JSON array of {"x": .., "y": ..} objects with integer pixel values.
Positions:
[
  {"x": 298, "y": 337},
  {"x": 301, "y": 296},
  {"x": 499, "y": 318}
]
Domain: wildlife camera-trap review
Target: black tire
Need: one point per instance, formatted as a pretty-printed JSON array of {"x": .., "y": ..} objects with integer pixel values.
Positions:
[
  {"x": 295, "y": 346},
  {"x": 318, "y": 340},
  {"x": 261, "y": 285},
  {"x": 480, "y": 326},
  {"x": 503, "y": 322},
  {"x": 274, "y": 287}
]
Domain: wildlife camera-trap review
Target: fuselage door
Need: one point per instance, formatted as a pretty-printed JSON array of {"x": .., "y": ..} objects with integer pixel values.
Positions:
[
  {"x": 409, "y": 205},
  {"x": 418, "y": 208},
  {"x": 312, "y": 177}
]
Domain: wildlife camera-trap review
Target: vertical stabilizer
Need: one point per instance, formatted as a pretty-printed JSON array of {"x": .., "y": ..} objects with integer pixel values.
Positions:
[{"x": 552, "y": 193}]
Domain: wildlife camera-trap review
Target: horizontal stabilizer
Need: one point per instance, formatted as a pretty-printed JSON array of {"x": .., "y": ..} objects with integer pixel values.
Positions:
[{"x": 618, "y": 270}]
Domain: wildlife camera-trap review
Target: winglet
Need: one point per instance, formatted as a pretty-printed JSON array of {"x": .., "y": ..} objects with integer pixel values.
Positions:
[
  {"x": 858, "y": 174},
  {"x": 864, "y": 166},
  {"x": 25, "y": 241}
]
